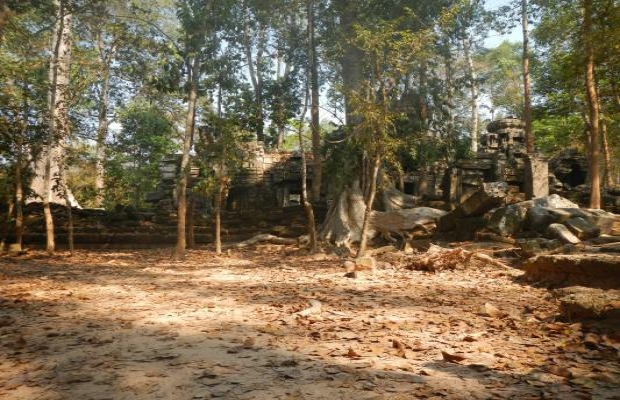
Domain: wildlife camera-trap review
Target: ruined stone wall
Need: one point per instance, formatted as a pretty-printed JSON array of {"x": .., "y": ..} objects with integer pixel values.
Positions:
[{"x": 265, "y": 180}]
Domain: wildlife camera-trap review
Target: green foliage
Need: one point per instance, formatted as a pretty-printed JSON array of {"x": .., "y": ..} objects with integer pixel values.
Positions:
[
  {"x": 132, "y": 168},
  {"x": 555, "y": 133},
  {"x": 81, "y": 173},
  {"x": 219, "y": 152},
  {"x": 502, "y": 78}
]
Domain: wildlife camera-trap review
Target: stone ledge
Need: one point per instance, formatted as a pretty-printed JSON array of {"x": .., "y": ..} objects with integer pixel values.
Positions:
[{"x": 594, "y": 270}]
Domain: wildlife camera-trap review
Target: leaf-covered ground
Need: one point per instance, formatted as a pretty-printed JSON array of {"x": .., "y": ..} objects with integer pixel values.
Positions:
[{"x": 135, "y": 325}]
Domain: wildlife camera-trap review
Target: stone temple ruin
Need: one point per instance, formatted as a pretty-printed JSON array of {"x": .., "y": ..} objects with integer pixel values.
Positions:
[
  {"x": 273, "y": 179},
  {"x": 265, "y": 180}
]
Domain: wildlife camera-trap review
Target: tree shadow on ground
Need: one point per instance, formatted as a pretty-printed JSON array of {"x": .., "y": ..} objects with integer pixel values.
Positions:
[{"x": 174, "y": 331}]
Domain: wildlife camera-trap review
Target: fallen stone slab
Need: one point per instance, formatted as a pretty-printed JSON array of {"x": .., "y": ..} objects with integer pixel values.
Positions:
[
  {"x": 583, "y": 228},
  {"x": 602, "y": 219},
  {"x": 593, "y": 270},
  {"x": 578, "y": 302},
  {"x": 561, "y": 232}
]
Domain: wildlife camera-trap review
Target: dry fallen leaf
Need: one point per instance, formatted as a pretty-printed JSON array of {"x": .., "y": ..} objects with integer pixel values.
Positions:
[
  {"x": 248, "y": 343},
  {"x": 453, "y": 358},
  {"x": 560, "y": 371},
  {"x": 400, "y": 348},
  {"x": 352, "y": 353},
  {"x": 492, "y": 311}
]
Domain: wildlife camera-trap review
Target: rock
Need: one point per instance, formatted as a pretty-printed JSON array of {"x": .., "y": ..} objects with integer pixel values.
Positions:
[
  {"x": 536, "y": 177},
  {"x": 596, "y": 270},
  {"x": 578, "y": 302},
  {"x": 537, "y": 219},
  {"x": 582, "y": 228},
  {"x": 510, "y": 220},
  {"x": 487, "y": 197},
  {"x": 559, "y": 231},
  {"x": 538, "y": 246}
]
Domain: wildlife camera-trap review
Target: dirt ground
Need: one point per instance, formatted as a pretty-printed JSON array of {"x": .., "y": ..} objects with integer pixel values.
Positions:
[{"x": 135, "y": 325}]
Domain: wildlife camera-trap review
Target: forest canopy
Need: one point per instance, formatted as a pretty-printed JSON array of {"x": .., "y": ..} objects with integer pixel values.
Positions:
[{"x": 112, "y": 87}]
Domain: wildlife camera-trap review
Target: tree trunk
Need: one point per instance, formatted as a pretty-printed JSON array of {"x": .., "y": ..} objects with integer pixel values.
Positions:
[
  {"x": 369, "y": 201},
  {"x": 59, "y": 80},
  {"x": 592, "y": 100},
  {"x": 191, "y": 234},
  {"x": 6, "y": 225},
  {"x": 345, "y": 218},
  {"x": 102, "y": 129},
  {"x": 314, "y": 110},
  {"x": 352, "y": 68},
  {"x": 255, "y": 71},
  {"x": 449, "y": 106},
  {"x": 218, "y": 217},
  {"x": 527, "y": 98},
  {"x": 193, "y": 70},
  {"x": 473, "y": 88},
  {"x": 608, "y": 179},
  {"x": 311, "y": 223},
  {"x": 19, "y": 189}
]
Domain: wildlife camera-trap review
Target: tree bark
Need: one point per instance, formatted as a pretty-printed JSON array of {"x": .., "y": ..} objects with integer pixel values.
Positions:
[
  {"x": 254, "y": 70},
  {"x": 473, "y": 88},
  {"x": 592, "y": 100},
  {"x": 103, "y": 123},
  {"x": 218, "y": 217},
  {"x": 19, "y": 185},
  {"x": 369, "y": 201},
  {"x": 181, "y": 245},
  {"x": 608, "y": 178},
  {"x": 59, "y": 80},
  {"x": 352, "y": 68},
  {"x": 310, "y": 221},
  {"x": 314, "y": 110},
  {"x": 527, "y": 97},
  {"x": 191, "y": 234}
]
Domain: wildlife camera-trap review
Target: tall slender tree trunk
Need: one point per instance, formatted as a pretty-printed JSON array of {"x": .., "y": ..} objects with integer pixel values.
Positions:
[
  {"x": 314, "y": 109},
  {"x": 191, "y": 232},
  {"x": 59, "y": 75},
  {"x": 369, "y": 201},
  {"x": 352, "y": 68},
  {"x": 608, "y": 177},
  {"x": 449, "y": 106},
  {"x": 310, "y": 221},
  {"x": 592, "y": 99},
  {"x": 179, "y": 253},
  {"x": 19, "y": 184},
  {"x": 254, "y": 70},
  {"x": 102, "y": 133},
  {"x": 473, "y": 88},
  {"x": 527, "y": 97},
  {"x": 218, "y": 216}
]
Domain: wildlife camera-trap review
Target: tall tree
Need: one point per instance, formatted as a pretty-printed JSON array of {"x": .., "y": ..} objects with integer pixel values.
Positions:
[
  {"x": 48, "y": 169},
  {"x": 592, "y": 99},
  {"x": 527, "y": 97},
  {"x": 194, "y": 17},
  {"x": 314, "y": 109}
]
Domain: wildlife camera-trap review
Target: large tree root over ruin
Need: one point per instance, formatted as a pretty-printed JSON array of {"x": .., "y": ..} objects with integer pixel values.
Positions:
[{"x": 343, "y": 223}]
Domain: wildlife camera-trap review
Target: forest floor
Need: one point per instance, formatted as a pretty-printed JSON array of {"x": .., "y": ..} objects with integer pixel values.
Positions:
[{"x": 135, "y": 325}]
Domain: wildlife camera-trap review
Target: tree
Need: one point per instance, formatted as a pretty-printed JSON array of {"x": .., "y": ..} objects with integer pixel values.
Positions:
[
  {"x": 145, "y": 138},
  {"x": 316, "y": 129},
  {"x": 527, "y": 97},
  {"x": 593, "y": 107},
  {"x": 48, "y": 169},
  {"x": 194, "y": 16}
]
